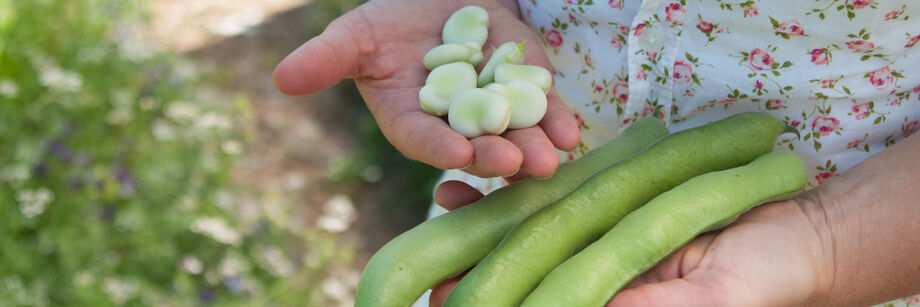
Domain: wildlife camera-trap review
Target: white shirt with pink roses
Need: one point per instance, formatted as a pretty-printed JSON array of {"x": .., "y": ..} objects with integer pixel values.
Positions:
[{"x": 839, "y": 71}]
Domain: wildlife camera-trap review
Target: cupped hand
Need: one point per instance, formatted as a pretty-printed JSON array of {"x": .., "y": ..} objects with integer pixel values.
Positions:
[
  {"x": 381, "y": 45},
  {"x": 771, "y": 256}
]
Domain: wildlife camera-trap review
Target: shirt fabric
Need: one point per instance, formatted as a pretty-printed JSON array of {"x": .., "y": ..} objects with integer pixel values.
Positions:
[{"x": 838, "y": 71}]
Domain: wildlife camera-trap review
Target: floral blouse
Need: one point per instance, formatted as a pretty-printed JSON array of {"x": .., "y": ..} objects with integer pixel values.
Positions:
[{"x": 838, "y": 71}]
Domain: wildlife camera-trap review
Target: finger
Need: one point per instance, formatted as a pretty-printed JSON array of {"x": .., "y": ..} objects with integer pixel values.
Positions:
[
  {"x": 674, "y": 292},
  {"x": 326, "y": 59},
  {"x": 494, "y": 156},
  {"x": 521, "y": 175},
  {"x": 440, "y": 291},
  {"x": 676, "y": 265},
  {"x": 559, "y": 124},
  {"x": 423, "y": 137},
  {"x": 540, "y": 158},
  {"x": 454, "y": 194}
]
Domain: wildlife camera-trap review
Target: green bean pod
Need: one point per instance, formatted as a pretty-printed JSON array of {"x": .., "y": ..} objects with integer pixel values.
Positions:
[
  {"x": 545, "y": 239},
  {"x": 649, "y": 234},
  {"x": 449, "y": 244}
]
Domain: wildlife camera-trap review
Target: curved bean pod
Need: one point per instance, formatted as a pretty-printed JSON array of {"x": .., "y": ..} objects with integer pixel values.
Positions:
[
  {"x": 545, "y": 239},
  {"x": 649, "y": 234},
  {"x": 449, "y": 244}
]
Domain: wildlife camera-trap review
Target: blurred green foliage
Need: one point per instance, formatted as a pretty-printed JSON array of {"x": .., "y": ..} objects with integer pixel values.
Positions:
[{"x": 114, "y": 176}]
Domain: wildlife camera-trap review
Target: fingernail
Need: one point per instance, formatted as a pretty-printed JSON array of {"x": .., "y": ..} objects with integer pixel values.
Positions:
[
  {"x": 468, "y": 165},
  {"x": 514, "y": 173}
]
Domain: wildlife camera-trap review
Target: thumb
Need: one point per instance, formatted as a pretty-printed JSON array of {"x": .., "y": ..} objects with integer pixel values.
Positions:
[
  {"x": 674, "y": 292},
  {"x": 324, "y": 60}
]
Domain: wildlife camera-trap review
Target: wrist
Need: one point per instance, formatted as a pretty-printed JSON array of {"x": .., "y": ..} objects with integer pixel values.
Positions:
[{"x": 821, "y": 231}]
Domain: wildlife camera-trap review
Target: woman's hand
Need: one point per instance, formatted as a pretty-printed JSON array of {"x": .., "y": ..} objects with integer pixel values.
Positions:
[
  {"x": 851, "y": 241},
  {"x": 771, "y": 256},
  {"x": 381, "y": 44}
]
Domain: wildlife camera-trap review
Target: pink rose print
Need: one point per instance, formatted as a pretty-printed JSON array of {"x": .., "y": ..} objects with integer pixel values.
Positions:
[
  {"x": 916, "y": 89},
  {"x": 758, "y": 85},
  {"x": 819, "y": 56},
  {"x": 616, "y": 43},
  {"x": 860, "y": 110},
  {"x": 860, "y": 45},
  {"x": 616, "y": 4},
  {"x": 704, "y": 26},
  {"x": 554, "y": 38},
  {"x": 859, "y": 3},
  {"x": 895, "y": 103},
  {"x": 727, "y": 101},
  {"x": 911, "y": 127},
  {"x": 760, "y": 59},
  {"x": 651, "y": 55},
  {"x": 882, "y": 78},
  {"x": 688, "y": 92},
  {"x": 651, "y": 110},
  {"x": 571, "y": 17},
  {"x": 624, "y": 29},
  {"x": 774, "y": 104},
  {"x": 892, "y": 15},
  {"x": 571, "y": 157},
  {"x": 640, "y": 28},
  {"x": 641, "y": 74},
  {"x": 627, "y": 121},
  {"x": 791, "y": 27},
  {"x": 827, "y": 83},
  {"x": 912, "y": 41},
  {"x": 751, "y": 11},
  {"x": 824, "y": 176},
  {"x": 795, "y": 123},
  {"x": 620, "y": 90},
  {"x": 569, "y": 2},
  {"x": 579, "y": 120},
  {"x": 853, "y": 143},
  {"x": 598, "y": 88},
  {"x": 682, "y": 72},
  {"x": 589, "y": 61},
  {"x": 675, "y": 13},
  {"x": 913, "y": 301},
  {"x": 825, "y": 124}
]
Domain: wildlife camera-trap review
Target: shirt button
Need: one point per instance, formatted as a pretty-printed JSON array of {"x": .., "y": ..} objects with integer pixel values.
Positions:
[{"x": 651, "y": 39}]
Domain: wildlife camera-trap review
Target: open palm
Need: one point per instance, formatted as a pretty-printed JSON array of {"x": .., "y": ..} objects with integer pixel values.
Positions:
[
  {"x": 381, "y": 45},
  {"x": 769, "y": 257}
]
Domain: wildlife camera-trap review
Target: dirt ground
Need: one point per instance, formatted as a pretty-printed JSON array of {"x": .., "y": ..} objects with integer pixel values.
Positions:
[{"x": 295, "y": 140}]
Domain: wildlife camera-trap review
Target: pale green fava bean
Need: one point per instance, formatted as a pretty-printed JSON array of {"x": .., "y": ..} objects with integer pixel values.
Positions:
[
  {"x": 479, "y": 111},
  {"x": 446, "y": 245},
  {"x": 467, "y": 25},
  {"x": 449, "y": 53},
  {"x": 545, "y": 239},
  {"x": 539, "y": 76},
  {"x": 443, "y": 84},
  {"x": 509, "y": 52},
  {"x": 649, "y": 234},
  {"x": 528, "y": 102}
]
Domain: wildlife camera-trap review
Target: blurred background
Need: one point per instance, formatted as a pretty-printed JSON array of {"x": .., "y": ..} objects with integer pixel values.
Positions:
[{"x": 147, "y": 159}]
